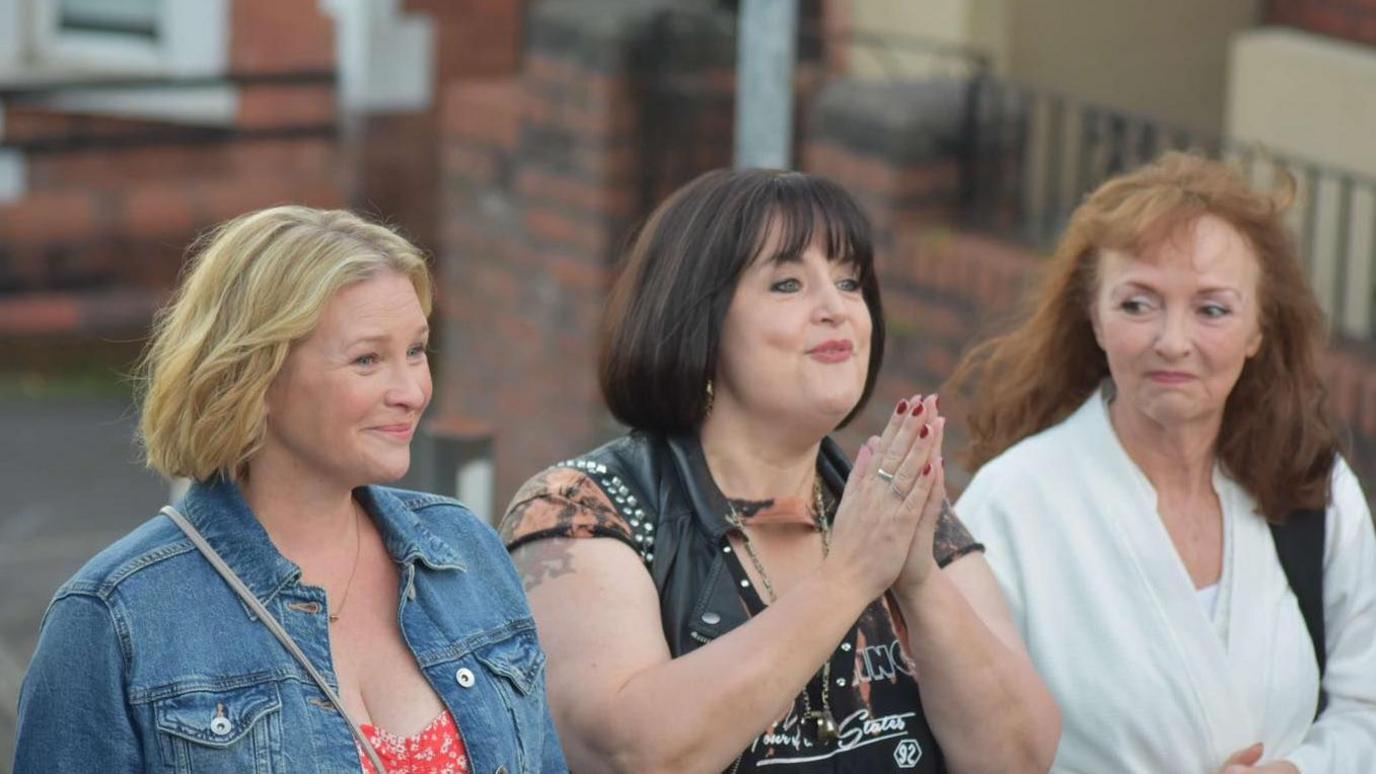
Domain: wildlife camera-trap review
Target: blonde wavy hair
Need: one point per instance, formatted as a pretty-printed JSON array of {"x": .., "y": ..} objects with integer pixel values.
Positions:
[{"x": 253, "y": 287}]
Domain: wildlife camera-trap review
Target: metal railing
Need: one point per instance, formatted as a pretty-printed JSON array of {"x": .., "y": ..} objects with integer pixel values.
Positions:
[
  {"x": 682, "y": 105},
  {"x": 1034, "y": 154},
  {"x": 1029, "y": 155},
  {"x": 1026, "y": 155}
]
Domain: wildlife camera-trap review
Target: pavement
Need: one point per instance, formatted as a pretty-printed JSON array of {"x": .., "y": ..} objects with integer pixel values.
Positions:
[{"x": 73, "y": 484}]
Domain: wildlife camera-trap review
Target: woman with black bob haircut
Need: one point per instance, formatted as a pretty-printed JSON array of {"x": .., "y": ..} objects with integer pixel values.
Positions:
[{"x": 719, "y": 588}]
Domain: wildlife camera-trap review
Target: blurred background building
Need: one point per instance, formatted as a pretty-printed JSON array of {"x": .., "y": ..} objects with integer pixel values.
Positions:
[{"x": 521, "y": 141}]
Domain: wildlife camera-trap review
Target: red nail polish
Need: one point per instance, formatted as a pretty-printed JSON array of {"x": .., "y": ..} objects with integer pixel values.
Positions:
[
  {"x": 917, "y": 408},
  {"x": 902, "y": 406},
  {"x": 925, "y": 431},
  {"x": 927, "y": 469}
]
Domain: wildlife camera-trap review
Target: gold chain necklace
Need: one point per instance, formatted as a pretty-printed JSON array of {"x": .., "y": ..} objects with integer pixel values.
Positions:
[
  {"x": 820, "y": 724},
  {"x": 348, "y": 585}
]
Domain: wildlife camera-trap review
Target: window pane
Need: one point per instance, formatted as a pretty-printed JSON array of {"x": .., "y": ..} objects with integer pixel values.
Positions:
[{"x": 126, "y": 17}]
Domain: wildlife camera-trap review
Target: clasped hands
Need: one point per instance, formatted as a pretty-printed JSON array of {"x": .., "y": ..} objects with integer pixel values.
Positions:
[
  {"x": 888, "y": 516},
  {"x": 889, "y": 511}
]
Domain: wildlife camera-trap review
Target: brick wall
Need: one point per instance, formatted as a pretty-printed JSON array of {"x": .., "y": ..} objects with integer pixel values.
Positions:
[
  {"x": 1353, "y": 20},
  {"x": 891, "y": 145},
  {"x": 270, "y": 38},
  {"x": 103, "y": 229},
  {"x": 395, "y": 159},
  {"x": 104, "y": 214},
  {"x": 474, "y": 38},
  {"x": 273, "y": 36},
  {"x": 545, "y": 173},
  {"x": 112, "y": 203}
]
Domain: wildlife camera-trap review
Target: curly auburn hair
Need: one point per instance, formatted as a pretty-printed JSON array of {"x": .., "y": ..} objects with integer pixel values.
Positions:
[{"x": 1277, "y": 437}]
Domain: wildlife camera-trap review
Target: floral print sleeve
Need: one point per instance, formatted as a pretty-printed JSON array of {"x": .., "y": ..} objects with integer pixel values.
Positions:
[
  {"x": 952, "y": 539},
  {"x": 565, "y": 503}
]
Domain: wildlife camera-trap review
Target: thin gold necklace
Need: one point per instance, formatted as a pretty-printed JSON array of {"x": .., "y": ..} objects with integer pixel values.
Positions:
[
  {"x": 820, "y": 724},
  {"x": 348, "y": 585}
]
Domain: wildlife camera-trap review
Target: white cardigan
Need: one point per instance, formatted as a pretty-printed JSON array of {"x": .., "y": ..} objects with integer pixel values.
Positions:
[{"x": 1146, "y": 680}]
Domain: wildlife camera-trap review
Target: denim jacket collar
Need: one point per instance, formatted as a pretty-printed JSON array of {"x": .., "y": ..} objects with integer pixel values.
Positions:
[
  {"x": 405, "y": 535},
  {"x": 217, "y": 508}
]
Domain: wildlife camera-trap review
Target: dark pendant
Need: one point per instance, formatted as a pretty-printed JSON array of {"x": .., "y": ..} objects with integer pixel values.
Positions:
[{"x": 820, "y": 726}]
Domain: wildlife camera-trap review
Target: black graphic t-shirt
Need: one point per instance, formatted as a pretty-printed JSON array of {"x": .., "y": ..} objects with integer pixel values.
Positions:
[
  {"x": 873, "y": 699},
  {"x": 872, "y": 692}
]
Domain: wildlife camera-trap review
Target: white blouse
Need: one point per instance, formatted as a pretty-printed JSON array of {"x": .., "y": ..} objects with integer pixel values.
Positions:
[
  {"x": 1148, "y": 679},
  {"x": 1208, "y": 598}
]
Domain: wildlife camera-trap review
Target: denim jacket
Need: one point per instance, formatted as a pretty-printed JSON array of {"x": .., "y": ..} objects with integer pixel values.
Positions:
[{"x": 146, "y": 652}]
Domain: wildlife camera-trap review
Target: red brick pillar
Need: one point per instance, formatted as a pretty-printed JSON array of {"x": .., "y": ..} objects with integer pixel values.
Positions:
[
  {"x": 394, "y": 156},
  {"x": 892, "y": 145},
  {"x": 544, "y": 176}
]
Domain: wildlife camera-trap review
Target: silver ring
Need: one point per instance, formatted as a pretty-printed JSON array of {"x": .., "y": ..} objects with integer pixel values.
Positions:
[{"x": 884, "y": 474}]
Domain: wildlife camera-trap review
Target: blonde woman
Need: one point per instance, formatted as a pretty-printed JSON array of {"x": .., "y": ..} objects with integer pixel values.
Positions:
[{"x": 286, "y": 379}]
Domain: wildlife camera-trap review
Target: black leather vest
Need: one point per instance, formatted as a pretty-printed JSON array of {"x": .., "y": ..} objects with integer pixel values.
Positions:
[{"x": 664, "y": 490}]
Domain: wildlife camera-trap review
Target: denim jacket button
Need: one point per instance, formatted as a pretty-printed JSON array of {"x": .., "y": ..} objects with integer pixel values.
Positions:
[
  {"x": 465, "y": 677},
  {"x": 500, "y": 770},
  {"x": 221, "y": 726}
]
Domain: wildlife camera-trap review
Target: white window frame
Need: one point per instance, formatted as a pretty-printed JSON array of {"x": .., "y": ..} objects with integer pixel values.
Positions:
[
  {"x": 14, "y": 42},
  {"x": 192, "y": 39},
  {"x": 385, "y": 55}
]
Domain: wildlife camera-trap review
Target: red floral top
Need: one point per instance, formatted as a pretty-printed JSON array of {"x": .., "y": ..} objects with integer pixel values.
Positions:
[{"x": 437, "y": 749}]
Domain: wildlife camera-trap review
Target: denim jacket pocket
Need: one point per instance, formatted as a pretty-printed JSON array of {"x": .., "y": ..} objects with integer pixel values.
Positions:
[
  {"x": 519, "y": 664},
  {"x": 233, "y": 730},
  {"x": 518, "y": 659}
]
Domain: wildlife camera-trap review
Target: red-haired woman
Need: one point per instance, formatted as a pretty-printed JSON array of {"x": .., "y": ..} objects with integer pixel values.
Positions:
[{"x": 1133, "y": 439}]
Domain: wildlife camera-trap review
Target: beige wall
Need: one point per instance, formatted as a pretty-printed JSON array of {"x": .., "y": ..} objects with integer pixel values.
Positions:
[
  {"x": 1165, "y": 58},
  {"x": 1305, "y": 94},
  {"x": 940, "y": 19},
  {"x": 1313, "y": 97},
  {"x": 975, "y": 24}
]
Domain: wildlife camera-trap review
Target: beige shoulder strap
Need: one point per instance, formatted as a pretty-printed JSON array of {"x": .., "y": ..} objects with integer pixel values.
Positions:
[{"x": 276, "y": 628}]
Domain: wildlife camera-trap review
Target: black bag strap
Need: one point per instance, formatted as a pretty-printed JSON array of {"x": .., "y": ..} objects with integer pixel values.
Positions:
[{"x": 1299, "y": 545}]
